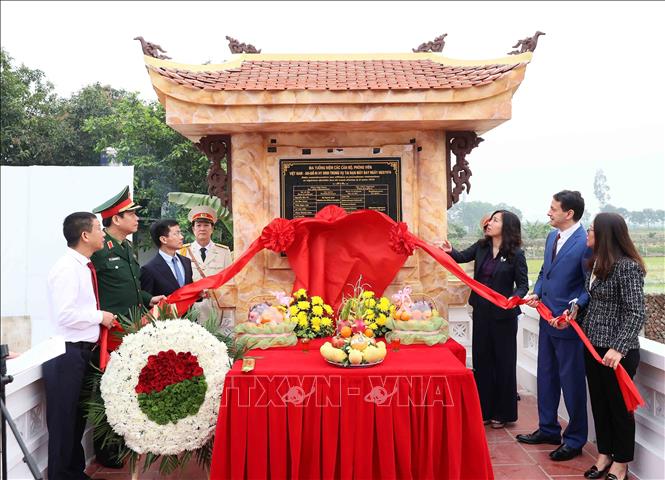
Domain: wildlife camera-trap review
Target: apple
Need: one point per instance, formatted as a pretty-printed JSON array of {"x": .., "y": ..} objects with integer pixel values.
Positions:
[{"x": 338, "y": 342}]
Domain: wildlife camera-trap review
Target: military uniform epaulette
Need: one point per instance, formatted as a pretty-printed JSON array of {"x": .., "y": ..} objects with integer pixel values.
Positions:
[{"x": 222, "y": 246}]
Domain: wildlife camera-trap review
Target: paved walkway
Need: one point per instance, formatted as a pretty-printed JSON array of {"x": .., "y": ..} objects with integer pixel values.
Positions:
[{"x": 511, "y": 460}]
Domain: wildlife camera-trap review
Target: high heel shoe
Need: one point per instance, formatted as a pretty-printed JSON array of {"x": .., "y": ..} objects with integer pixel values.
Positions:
[
  {"x": 593, "y": 472},
  {"x": 611, "y": 476}
]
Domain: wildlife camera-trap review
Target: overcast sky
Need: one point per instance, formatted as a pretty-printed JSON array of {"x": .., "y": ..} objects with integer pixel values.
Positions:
[{"x": 592, "y": 97}]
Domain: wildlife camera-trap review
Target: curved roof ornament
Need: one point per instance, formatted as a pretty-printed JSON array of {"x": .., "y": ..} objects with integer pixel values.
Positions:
[
  {"x": 152, "y": 49},
  {"x": 528, "y": 44},
  {"x": 236, "y": 47},
  {"x": 435, "y": 45}
]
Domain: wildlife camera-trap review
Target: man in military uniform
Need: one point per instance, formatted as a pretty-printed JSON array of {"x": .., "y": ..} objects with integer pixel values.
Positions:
[
  {"x": 117, "y": 267},
  {"x": 118, "y": 274},
  {"x": 207, "y": 259}
]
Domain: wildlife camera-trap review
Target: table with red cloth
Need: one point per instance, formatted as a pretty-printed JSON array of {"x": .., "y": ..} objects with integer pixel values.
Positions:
[{"x": 416, "y": 415}]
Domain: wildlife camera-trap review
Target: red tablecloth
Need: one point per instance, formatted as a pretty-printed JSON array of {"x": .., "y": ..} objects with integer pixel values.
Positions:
[
  {"x": 457, "y": 349},
  {"x": 417, "y": 415}
]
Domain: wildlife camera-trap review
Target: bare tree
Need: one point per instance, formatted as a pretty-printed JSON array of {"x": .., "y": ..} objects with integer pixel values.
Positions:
[{"x": 600, "y": 188}]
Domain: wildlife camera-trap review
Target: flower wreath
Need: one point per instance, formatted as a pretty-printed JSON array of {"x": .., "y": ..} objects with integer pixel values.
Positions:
[
  {"x": 161, "y": 401},
  {"x": 160, "y": 392}
]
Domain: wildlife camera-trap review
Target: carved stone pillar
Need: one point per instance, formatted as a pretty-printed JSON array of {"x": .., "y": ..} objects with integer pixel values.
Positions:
[
  {"x": 216, "y": 148},
  {"x": 459, "y": 144}
]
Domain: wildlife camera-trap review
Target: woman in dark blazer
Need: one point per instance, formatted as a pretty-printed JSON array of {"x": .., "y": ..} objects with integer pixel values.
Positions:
[
  {"x": 501, "y": 265},
  {"x": 612, "y": 322}
]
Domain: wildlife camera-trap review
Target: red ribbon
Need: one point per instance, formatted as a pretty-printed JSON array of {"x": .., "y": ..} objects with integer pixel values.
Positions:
[
  {"x": 631, "y": 396},
  {"x": 279, "y": 236}
]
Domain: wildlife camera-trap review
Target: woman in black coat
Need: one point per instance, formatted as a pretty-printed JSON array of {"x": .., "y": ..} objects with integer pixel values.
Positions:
[
  {"x": 501, "y": 265},
  {"x": 612, "y": 321}
]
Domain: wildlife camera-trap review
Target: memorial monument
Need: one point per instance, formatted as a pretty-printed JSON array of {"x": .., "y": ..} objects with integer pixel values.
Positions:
[{"x": 389, "y": 132}]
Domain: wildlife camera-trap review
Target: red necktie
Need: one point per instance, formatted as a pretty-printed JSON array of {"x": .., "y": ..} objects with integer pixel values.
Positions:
[
  {"x": 93, "y": 272},
  {"x": 556, "y": 243}
]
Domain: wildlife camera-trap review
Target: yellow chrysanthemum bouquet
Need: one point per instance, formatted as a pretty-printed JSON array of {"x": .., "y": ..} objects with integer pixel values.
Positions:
[
  {"x": 364, "y": 307},
  {"x": 312, "y": 316}
]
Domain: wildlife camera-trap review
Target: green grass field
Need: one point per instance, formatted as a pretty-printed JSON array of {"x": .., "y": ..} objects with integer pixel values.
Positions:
[{"x": 654, "y": 283}]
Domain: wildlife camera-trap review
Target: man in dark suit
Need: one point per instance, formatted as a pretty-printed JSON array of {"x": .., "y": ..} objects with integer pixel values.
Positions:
[
  {"x": 560, "y": 351},
  {"x": 168, "y": 270}
]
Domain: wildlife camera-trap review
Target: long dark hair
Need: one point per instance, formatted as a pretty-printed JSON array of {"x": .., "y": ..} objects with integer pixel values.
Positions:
[
  {"x": 611, "y": 242},
  {"x": 511, "y": 233}
]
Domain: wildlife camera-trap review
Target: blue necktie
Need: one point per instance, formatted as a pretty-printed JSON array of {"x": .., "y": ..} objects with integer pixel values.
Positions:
[{"x": 178, "y": 273}]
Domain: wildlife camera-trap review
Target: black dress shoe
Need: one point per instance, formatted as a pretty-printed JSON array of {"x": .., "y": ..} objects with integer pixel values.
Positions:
[
  {"x": 593, "y": 472},
  {"x": 538, "y": 437},
  {"x": 108, "y": 463},
  {"x": 564, "y": 452}
]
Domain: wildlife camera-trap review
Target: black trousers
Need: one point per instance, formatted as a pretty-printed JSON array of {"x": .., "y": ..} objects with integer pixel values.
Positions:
[
  {"x": 63, "y": 379},
  {"x": 615, "y": 425},
  {"x": 494, "y": 365},
  {"x": 106, "y": 455}
]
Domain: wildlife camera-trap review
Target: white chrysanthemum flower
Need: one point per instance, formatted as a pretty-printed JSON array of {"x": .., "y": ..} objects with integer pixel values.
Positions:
[{"x": 122, "y": 375}]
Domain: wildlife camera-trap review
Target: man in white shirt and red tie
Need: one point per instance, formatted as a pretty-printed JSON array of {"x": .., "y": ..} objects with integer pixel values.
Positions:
[{"x": 75, "y": 313}]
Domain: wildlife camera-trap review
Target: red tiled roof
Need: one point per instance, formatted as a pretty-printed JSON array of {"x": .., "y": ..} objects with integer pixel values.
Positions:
[{"x": 339, "y": 75}]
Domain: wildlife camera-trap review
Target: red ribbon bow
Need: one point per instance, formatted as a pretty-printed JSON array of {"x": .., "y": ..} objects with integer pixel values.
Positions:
[{"x": 278, "y": 235}]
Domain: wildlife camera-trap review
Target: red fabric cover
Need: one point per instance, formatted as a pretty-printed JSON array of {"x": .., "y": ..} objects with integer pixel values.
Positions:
[
  {"x": 328, "y": 253},
  {"x": 344, "y": 426},
  {"x": 329, "y": 256}
]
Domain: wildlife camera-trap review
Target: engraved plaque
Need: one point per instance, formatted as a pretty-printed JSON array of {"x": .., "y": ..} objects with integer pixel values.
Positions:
[{"x": 308, "y": 185}]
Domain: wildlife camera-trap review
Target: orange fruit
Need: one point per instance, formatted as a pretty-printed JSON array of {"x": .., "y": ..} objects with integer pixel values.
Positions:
[
  {"x": 396, "y": 314},
  {"x": 405, "y": 316},
  {"x": 345, "y": 332},
  {"x": 369, "y": 332}
]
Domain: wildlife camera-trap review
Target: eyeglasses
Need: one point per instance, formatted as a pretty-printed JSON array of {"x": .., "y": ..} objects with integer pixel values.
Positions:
[{"x": 589, "y": 230}]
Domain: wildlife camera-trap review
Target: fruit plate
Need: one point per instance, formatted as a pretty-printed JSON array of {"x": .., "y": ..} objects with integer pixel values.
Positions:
[{"x": 351, "y": 365}]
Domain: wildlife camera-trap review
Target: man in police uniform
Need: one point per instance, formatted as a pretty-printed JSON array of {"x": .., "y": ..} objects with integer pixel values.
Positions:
[
  {"x": 118, "y": 274},
  {"x": 207, "y": 259}
]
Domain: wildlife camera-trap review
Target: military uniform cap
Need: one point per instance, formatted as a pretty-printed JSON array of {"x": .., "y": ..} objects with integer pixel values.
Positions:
[
  {"x": 122, "y": 202},
  {"x": 202, "y": 212}
]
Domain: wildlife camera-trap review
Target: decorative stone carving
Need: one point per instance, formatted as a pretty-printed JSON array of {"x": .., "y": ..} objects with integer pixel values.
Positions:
[
  {"x": 216, "y": 148},
  {"x": 35, "y": 421},
  {"x": 236, "y": 47},
  {"x": 435, "y": 45},
  {"x": 459, "y": 144},
  {"x": 531, "y": 342},
  {"x": 527, "y": 44},
  {"x": 152, "y": 49},
  {"x": 659, "y": 405},
  {"x": 459, "y": 331}
]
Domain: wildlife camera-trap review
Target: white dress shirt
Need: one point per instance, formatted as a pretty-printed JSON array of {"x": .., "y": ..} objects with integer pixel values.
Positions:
[
  {"x": 565, "y": 235},
  {"x": 197, "y": 248},
  {"x": 72, "y": 301},
  {"x": 169, "y": 261}
]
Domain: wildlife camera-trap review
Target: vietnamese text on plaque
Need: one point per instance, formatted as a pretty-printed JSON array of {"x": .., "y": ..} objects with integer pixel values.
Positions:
[{"x": 308, "y": 185}]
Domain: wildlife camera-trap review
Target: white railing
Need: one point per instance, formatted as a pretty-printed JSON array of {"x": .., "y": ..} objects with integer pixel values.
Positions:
[
  {"x": 27, "y": 405},
  {"x": 26, "y": 402},
  {"x": 649, "y": 460}
]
